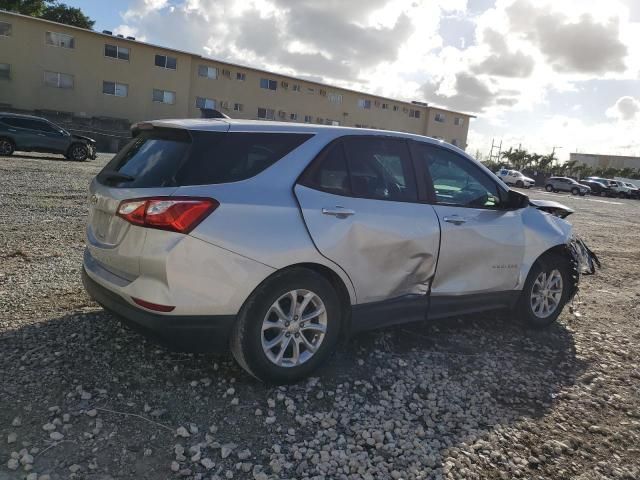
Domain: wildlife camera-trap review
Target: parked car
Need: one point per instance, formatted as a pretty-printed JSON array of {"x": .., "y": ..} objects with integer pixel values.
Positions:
[
  {"x": 566, "y": 184},
  {"x": 598, "y": 188},
  {"x": 276, "y": 239},
  {"x": 34, "y": 134},
  {"x": 614, "y": 185},
  {"x": 515, "y": 178},
  {"x": 631, "y": 190}
]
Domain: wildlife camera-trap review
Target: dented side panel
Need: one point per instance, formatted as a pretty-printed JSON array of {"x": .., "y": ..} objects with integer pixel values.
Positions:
[
  {"x": 388, "y": 249},
  {"x": 542, "y": 231}
]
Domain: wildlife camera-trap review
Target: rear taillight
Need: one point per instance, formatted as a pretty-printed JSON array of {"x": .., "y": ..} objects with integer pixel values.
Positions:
[{"x": 176, "y": 214}]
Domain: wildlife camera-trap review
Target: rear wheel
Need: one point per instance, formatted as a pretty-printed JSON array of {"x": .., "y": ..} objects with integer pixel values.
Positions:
[
  {"x": 549, "y": 188},
  {"x": 6, "y": 147},
  {"x": 546, "y": 291},
  {"x": 78, "y": 152},
  {"x": 288, "y": 327},
  {"x": 622, "y": 195}
]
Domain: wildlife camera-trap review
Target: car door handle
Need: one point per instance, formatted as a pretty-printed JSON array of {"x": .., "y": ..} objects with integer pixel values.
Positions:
[
  {"x": 455, "y": 219},
  {"x": 338, "y": 212},
  {"x": 11, "y": 130},
  {"x": 42, "y": 135}
]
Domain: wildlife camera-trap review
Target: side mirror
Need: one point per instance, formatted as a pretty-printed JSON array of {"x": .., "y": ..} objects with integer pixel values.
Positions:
[{"x": 516, "y": 200}]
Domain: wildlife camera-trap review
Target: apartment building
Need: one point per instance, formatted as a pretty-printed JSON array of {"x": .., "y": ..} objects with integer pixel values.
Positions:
[{"x": 50, "y": 67}]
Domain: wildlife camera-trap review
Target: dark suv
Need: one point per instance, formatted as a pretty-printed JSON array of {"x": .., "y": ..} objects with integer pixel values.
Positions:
[{"x": 34, "y": 134}]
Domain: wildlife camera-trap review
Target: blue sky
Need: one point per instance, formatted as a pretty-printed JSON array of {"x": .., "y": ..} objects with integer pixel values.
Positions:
[{"x": 540, "y": 73}]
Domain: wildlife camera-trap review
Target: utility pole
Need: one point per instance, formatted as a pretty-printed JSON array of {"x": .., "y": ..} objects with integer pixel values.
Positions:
[
  {"x": 498, "y": 148},
  {"x": 553, "y": 151}
]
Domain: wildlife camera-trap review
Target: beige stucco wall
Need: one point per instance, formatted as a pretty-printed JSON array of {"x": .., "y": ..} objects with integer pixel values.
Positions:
[{"x": 25, "y": 50}]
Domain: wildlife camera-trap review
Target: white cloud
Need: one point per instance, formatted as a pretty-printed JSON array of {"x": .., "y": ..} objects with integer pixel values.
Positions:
[
  {"x": 626, "y": 109},
  {"x": 520, "y": 52}
]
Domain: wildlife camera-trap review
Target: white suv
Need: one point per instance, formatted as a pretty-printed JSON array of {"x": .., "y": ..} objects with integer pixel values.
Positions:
[{"x": 516, "y": 178}]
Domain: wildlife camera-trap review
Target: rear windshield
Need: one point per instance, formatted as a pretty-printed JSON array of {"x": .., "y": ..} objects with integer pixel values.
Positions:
[{"x": 174, "y": 158}]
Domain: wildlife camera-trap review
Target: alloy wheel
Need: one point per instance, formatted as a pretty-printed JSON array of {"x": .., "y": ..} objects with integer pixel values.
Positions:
[
  {"x": 79, "y": 152},
  {"x": 546, "y": 293},
  {"x": 293, "y": 328}
]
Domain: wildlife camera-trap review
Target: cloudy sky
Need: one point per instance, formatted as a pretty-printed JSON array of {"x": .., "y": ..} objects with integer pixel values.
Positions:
[{"x": 540, "y": 73}]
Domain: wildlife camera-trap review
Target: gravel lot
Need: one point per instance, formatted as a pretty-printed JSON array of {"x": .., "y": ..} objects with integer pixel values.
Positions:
[{"x": 467, "y": 398}]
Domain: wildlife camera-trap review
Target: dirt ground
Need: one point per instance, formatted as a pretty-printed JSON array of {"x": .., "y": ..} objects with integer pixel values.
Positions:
[{"x": 474, "y": 397}]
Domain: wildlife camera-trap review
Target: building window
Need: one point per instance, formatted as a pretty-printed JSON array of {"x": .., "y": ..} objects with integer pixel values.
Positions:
[
  {"x": 308, "y": 119},
  {"x": 284, "y": 85},
  {"x": 114, "y": 51},
  {"x": 165, "y": 61},
  {"x": 5, "y": 71},
  {"x": 241, "y": 76},
  {"x": 58, "y": 80},
  {"x": 454, "y": 142},
  {"x": 335, "y": 98},
  {"x": 114, "y": 88},
  {"x": 440, "y": 118},
  {"x": 226, "y": 73},
  {"x": 5, "y": 29},
  {"x": 207, "y": 72},
  {"x": 268, "y": 84},
  {"x": 238, "y": 107},
  {"x": 457, "y": 121},
  {"x": 266, "y": 113},
  {"x": 319, "y": 120},
  {"x": 396, "y": 108},
  {"x": 311, "y": 90},
  {"x": 385, "y": 106},
  {"x": 335, "y": 123},
  {"x": 414, "y": 113},
  {"x": 59, "y": 40},
  {"x": 293, "y": 116},
  {"x": 208, "y": 103},
  {"x": 164, "y": 96},
  {"x": 295, "y": 87},
  {"x": 282, "y": 114},
  {"x": 362, "y": 103},
  {"x": 323, "y": 93}
]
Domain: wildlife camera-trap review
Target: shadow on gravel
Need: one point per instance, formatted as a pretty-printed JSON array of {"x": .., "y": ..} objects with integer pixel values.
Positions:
[{"x": 427, "y": 388}]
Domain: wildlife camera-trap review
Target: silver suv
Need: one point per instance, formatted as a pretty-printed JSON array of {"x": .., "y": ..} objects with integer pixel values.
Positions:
[
  {"x": 276, "y": 240},
  {"x": 566, "y": 184}
]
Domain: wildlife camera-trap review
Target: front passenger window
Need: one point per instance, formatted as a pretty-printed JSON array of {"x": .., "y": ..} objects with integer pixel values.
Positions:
[{"x": 456, "y": 180}]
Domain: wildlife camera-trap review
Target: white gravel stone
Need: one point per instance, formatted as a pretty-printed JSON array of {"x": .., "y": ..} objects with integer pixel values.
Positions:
[
  {"x": 56, "y": 436},
  {"x": 182, "y": 432}
]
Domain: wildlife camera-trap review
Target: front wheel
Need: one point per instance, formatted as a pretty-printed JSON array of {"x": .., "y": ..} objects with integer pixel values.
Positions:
[
  {"x": 288, "y": 326},
  {"x": 519, "y": 184},
  {"x": 78, "y": 152},
  {"x": 6, "y": 147},
  {"x": 622, "y": 195},
  {"x": 575, "y": 191},
  {"x": 546, "y": 291}
]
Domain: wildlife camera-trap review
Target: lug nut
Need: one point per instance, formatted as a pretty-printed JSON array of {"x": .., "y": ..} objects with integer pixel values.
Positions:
[
  {"x": 287, "y": 334},
  {"x": 297, "y": 335},
  {"x": 295, "y": 317},
  {"x": 286, "y": 324}
]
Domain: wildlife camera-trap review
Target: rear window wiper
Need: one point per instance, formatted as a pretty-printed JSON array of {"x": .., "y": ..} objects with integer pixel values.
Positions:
[{"x": 115, "y": 175}]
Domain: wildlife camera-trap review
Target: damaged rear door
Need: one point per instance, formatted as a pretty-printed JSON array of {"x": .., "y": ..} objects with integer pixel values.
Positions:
[{"x": 360, "y": 204}]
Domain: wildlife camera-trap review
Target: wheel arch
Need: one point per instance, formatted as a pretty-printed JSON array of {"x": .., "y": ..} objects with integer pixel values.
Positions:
[
  {"x": 346, "y": 297},
  {"x": 563, "y": 250}
]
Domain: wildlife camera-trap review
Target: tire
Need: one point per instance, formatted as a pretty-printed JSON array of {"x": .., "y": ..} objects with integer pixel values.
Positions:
[
  {"x": 78, "y": 152},
  {"x": 549, "y": 188},
  {"x": 7, "y": 147},
  {"x": 519, "y": 184},
  {"x": 575, "y": 191},
  {"x": 622, "y": 195},
  {"x": 249, "y": 340},
  {"x": 548, "y": 264}
]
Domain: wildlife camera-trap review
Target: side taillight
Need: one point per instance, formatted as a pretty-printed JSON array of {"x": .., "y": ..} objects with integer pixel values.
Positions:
[{"x": 176, "y": 214}]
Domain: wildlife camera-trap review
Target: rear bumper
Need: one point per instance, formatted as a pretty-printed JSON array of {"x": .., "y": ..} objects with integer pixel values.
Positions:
[{"x": 191, "y": 333}]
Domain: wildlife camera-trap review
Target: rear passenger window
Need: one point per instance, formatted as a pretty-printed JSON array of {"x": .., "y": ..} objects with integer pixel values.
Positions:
[
  {"x": 329, "y": 172},
  {"x": 174, "y": 157},
  {"x": 380, "y": 168}
]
